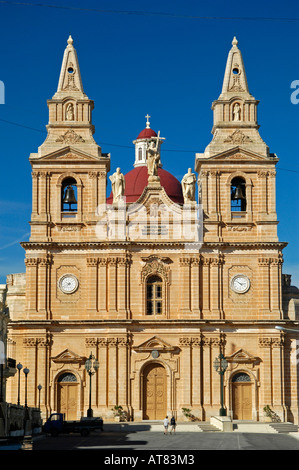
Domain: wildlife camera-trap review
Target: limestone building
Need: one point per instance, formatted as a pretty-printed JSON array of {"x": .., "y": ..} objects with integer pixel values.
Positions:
[{"x": 148, "y": 283}]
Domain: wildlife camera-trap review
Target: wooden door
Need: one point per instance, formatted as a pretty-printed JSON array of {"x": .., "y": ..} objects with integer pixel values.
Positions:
[
  {"x": 67, "y": 400},
  {"x": 155, "y": 392},
  {"x": 242, "y": 400}
]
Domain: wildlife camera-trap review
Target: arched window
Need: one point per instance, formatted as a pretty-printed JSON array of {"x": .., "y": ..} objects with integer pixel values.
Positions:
[
  {"x": 238, "y": 194},
  {"x": 140, "y": 154},
  {"x": 69, "y": 195},
  {"x": 154, "y": 297},
  {"x": 67, "y": 377},
  {"x": 241, "y": 377}
]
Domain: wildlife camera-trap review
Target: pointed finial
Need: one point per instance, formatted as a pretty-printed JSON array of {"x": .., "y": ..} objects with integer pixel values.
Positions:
[
  {"x": 147, "y": 121},
  {"x": 235, "y": 42},
  {"x": 70, "y": 40}
]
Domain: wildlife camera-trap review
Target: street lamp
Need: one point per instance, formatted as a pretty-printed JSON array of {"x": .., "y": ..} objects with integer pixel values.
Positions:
[
  {"x": 91, "y": 366},
  {"x": 19, "y": 367},
  {"x": 39, "y": 387},
  {"x": 220, "y": 365},
  {"x": 26, "y": 372}
]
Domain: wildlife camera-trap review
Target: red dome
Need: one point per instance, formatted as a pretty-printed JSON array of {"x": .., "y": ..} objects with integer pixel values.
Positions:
[
  {"x": 137, "y": 180},
  {"x": 147, "y": 134}
]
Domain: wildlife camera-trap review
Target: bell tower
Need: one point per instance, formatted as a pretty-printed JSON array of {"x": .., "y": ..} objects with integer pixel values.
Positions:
[
  {"x": 69, "y": 174},
  {"x": 69, "y": 171},
  {"x": 236, "y": 170}
]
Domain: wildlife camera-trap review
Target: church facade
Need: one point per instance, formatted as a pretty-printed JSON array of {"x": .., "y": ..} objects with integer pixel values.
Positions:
[{"x": 161, "y": 279}]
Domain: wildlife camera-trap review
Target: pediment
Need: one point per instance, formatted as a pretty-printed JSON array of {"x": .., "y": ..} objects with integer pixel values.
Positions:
[
  {"x": 238, "y": 153},
  {"x": 154, "y": 344},
  {"x": 68, "y": 357},
  {"x": 157, "y": 195},
  {"x": 242, "y": 357},
  {"x": 66, "y": 155}
]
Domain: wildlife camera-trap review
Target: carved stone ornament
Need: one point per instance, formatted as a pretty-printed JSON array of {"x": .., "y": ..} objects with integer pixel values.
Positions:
[
  {"x": 70, "y": 137},
  {"x": 238, "y": 137},
  {"x": 155, "y": 267}
]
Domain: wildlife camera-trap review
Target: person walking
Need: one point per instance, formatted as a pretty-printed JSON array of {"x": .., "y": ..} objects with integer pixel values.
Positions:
[
  {"x": 172, "y": 424},
  {"x": 166, "y": 424}
]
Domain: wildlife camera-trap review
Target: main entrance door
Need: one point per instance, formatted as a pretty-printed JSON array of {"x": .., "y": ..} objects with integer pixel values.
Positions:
[
  {"x": 242, "y": 397},
  {"x": 67, "y": 396},
  {"x": 154, "y": 392}
]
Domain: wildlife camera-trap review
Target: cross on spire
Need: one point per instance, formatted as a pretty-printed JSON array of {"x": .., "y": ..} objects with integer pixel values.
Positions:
[{"x": 147, "y": 121}]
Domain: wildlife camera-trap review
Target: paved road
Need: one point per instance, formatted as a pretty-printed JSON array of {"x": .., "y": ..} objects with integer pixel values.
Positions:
[{"x": 185, "y": 441}]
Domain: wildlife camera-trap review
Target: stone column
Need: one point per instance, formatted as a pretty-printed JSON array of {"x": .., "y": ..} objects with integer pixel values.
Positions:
[
  {"x": 31, "y": 283},
  {"x": 204, "y": 190},
  {"x": 185, "y": 285},
  {"x": 113, "y": 372},
  {"x": 42, "y": 194},
  {"x": 275, "y": 287},
  {"x": 206, "y": 373},
  {"x": 103, "y": 285},
  {"x": 262, "y": 181},
  {"x": 93, "y": 176},
  {"x": 35, "y": 175},
  {"x": 264, "y": 288},
  {"x": 112, "y": 270},
  {"x": 42, "y": 286},
  {"x": 92, "y": 270},
  {"x": 196, "y": 375},
  {"x": 103, "y": 372},
  {"x": 123, "y": 373},
  {"x": 206, "y": 292},
  {"x": 272, "y": 193},
  {"x": 266, "y": 373},
  {"x": 278, "y": 376},
  {"x": 31, "y": 363},
  {"x": 122, "y": 287},
  {"x": 186, "y": 372},
  {"x": 195, "y": 287},
  {"x": 215, "y": 288}
]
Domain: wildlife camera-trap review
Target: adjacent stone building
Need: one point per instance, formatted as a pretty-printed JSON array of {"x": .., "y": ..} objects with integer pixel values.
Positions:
[{"x": 154, "y": 284}]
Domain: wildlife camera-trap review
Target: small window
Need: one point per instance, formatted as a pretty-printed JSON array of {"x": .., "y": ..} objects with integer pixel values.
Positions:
[
  {"x": 154, "y": 297},
  {"x": 140, "y": 154},
  {"x": 69, "y": 195},
  {"x": 238, "y": 195}
]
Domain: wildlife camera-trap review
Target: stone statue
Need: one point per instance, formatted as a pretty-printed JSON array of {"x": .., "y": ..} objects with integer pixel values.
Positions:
[
  {"x": 70, "y": 112},
  {"x": 153, "y": 158},
  {"x": 188, "y": 186},
  {"x": 237, "y": 112},
  {"x": 118, "y": 185}
]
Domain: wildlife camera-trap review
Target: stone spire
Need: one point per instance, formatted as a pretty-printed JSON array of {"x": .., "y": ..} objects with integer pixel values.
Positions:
[
  {"x": 235, "y": 111},
  {"x": 70, "y": 77},
  {"x": 70, "y": 111}
]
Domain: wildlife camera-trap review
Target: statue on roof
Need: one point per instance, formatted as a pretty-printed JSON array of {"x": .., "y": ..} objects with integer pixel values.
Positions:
[
  {"x": 188, "y": 186},
  {"x": 153, "y": 158},
  {"x": 118, "y": 185}
]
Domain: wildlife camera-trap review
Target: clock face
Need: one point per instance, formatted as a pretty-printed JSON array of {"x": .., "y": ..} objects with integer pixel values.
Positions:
[
  {"x": 240, "y": 283},
  {"x": 68, "y": 283}
]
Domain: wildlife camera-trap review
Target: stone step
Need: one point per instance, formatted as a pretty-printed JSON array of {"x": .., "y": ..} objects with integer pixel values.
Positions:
[
  {"x": 205, "y": 427},
  {"x": 284, "y": 427}
]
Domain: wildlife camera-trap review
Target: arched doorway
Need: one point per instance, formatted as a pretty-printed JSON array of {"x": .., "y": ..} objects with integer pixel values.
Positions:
[
  {"x": 67, "y": 395},
  {"x": 242, "y": 396},
  {"x": 154, "y": 392}
]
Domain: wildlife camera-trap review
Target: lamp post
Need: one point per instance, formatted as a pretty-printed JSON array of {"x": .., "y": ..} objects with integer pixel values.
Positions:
[
  {"x": 26, "y": 372},
  {"x": 19, "y": 367},
  {"x": 220, "y": 365},
  {"x": 91, "y": 366},
  {"x": 39, "y": 387}
]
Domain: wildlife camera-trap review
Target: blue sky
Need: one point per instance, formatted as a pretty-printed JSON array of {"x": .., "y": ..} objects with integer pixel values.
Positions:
[{"x": 166, "y": 59}]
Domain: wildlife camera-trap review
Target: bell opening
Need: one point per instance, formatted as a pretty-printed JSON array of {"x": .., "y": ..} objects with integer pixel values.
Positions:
[
  {"x": 69, "y": 195},
  {"x": 238, "y": 195}
]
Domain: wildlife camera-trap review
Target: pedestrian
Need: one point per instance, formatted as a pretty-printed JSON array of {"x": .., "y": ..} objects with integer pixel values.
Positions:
[
  {"x": 173, "y": 424},
  {"x": 166, "y": 424}
]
